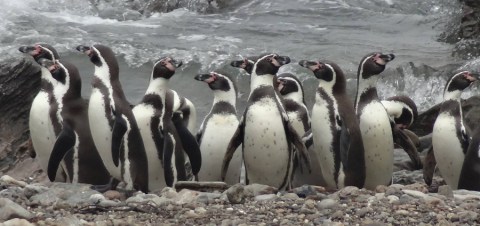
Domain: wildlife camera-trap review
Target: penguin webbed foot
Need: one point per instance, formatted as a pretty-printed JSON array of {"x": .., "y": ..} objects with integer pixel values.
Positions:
[{"x": 112, "y": 185}]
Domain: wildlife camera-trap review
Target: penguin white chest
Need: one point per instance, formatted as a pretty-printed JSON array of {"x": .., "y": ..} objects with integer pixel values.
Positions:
[
  {"x": 144, "y": 114},
  {"x": 101, "y": 131},
  {"x": 266, "y": 153},
  {"x": 447, "y": 149},
  {"x": 41, "y": 128},
  {"x": 323, "y": 140},
  {"x": 378, "y": 144},
  {"x": 219, "y": 130}
]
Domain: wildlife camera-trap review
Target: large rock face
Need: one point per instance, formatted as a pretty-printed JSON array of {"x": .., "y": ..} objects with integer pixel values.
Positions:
[{"x": 19, "y": 83}]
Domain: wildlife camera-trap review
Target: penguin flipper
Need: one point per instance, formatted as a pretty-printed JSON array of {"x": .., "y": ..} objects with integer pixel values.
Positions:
[
  {"x": 300, "y": 149},
  {"x": 407, "y": 145},
  {"x": 65, "y": 142},
  {"x": 168, "y": 152},
  {"x": 429, "y": 166},
  {"x": 236, "y": 140},
  {"x": 119, "y": 130},
  {"x": 189, "y": 143},
  {"x": 344, "y": 145},
  {"x": 308, "y": 139}
]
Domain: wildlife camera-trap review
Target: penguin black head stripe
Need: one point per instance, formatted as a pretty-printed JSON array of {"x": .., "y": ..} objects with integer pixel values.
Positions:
[
  {"x": 39, "y": 51},
  {"x": 460, "y": 81},
  {"x": 165, "y": 67},
  {"x": 269, "y": 64},
  {"x": 217, "y": 81},
  {"x": 327, "y": 71},
  {"x": 408, "y": 112},
  {"x": 374, "y": 64},
  {"x": 63, "y": 71},
  {"x": 289, "y": 84}
]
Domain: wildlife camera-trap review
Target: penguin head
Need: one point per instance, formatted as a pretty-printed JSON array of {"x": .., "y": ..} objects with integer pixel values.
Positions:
[
  {"x": 373, "y": 64},
  {"x": 246, "y": 64},
  {"x": 290, "y": 87},
  {"x": 165, "y": 67},
  {"x": 269, "y": 64},
  {"x": 402, "y": 109},
  {"x": 57, "y": 72},
  {"x": 39, "y": 51},
  {"x": 217, "y": 81},
  {"x": 321, "y": 70},
  {"x": 459, "y": 82},
  {"x": 101, "y": 56}
]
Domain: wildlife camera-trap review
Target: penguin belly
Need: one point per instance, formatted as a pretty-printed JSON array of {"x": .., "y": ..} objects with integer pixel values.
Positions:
[
  {"x": 265, "y": 152},
  {"x": 447, "y": 149},
  {"x": 101, "y": 132},
  {"x": 378, "y": 144},
  {"x": 323, "y": 143},
  {"x": 42, "y": 132},
  {"x": 156, "y": 177},
  {"x": 218, "y": 132}
]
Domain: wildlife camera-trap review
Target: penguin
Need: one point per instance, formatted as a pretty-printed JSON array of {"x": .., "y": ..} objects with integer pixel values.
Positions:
[
  {"x": 292, "y": 91},
  {"x": 450, "y": 139},
  {"x": 374, "y": 121},
  {"x": 403, "y": 112},
  {"x": 470, "y": 173},
  {"x": 337, "y": 140},
  {"x": 112, "y": 123},
  {"x": 245, "y": 64},
  {"x": 87, "y": 167},
  {"x": 290, "y": 87},
  {"x": 265, "y": 133},
  {"x": 44, "y": 119},
  {"x": 217, "y": 129},
  {"x": 155, "y": 119}
]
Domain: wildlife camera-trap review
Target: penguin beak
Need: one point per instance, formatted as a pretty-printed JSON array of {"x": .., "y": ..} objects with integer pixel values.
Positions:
[
  {"x": 312, "y": 65},
  {"x": 239, "y": 63},
  {"x": 208, "y": 78},
  {"x": 177, "y": 63},
  {"x": 84, "y": 49},
  {"x": 282, "y": 60},
  {"x": 31, "y": 50}
]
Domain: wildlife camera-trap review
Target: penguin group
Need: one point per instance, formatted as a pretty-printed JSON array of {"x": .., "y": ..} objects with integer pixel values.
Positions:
[{"x": 343, "y": 141}]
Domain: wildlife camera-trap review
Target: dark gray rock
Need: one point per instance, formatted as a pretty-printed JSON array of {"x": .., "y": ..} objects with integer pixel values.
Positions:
[
  {"x": 10, "y": 210},
  {"x": 235, "y": 194},
  {"x": 64, "y": 195},
  {"x": 19, "y": 84}
]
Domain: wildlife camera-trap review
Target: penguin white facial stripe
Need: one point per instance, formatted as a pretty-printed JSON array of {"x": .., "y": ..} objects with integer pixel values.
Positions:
[
  {"x": 49, "y": 52},
  {"x": 103, "y": 73},
  {"x": 59, "y": 90}
]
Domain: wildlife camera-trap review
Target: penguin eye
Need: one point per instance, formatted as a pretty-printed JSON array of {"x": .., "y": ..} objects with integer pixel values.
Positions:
[
  {"x": 163, "y": 63},
  {"x": 270, "y": 59}
]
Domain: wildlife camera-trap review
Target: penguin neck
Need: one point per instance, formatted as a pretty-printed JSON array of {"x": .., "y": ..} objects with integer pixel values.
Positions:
[
  {"x": 47, "y": 79},
  {"x": 261, "y": 80},
  {"x": 158, "y": 86},
  {"x": 224, "y": 96},
  {"x": 110, "y": 79},
  {"x": 295, "y": 96},
  {"x": 452, "y": 95},
  {"x": 366, "y": 86}
]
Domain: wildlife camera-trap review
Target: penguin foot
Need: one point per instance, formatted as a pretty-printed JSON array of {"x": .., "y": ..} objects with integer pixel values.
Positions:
[{"x": 112, "y": 185}]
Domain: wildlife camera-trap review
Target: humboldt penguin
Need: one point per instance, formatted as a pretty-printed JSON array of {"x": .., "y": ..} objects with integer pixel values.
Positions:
[
  {"x": 44, "y": 120},
  {"x": 112, "y": 123},
  {"x": 266, "y": 135},
  {"x": 374, "y": 121},
  {"x": 450, "y": 139},
  {"x": 337, "y": 140},
  {"x": 217, "y": 129},
  {"x": 87, "y": 167}
]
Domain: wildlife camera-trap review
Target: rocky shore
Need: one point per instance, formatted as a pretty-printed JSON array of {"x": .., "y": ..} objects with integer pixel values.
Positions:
[{"x": 67, "y": 204}]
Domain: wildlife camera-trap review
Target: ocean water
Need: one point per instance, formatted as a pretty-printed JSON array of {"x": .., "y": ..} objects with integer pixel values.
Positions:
[{"x": 342, "y": 31}]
